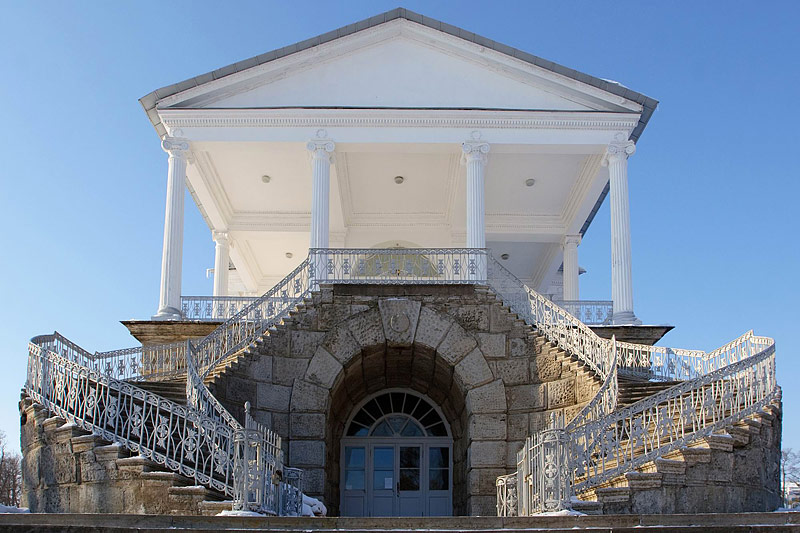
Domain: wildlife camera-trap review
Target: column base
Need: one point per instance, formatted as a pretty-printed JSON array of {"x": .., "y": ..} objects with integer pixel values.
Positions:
[
  {"x": 168, "y": 313},
  {"x": 626, "y": 318}
]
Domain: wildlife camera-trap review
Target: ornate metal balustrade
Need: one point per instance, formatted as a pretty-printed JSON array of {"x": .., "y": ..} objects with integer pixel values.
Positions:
[
  {"x": 591, "y": 312},
  {"x": 507, "y": 495},
  {"x": 399, "y": 265},
  {"x": 62, "y": 377},
  {"x": 559, "y": 463},
  {"x": 215, "y": 308}
]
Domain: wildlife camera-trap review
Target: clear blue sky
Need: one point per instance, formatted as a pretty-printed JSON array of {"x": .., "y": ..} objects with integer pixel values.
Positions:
[{"x": 714, "y": 183}]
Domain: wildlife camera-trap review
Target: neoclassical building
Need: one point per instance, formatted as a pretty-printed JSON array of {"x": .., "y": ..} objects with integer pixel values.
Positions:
[{"x": 396, "y": 325}]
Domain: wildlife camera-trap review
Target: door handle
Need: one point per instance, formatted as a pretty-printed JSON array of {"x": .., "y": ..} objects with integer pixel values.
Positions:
[{"x": 398, "y": 489}]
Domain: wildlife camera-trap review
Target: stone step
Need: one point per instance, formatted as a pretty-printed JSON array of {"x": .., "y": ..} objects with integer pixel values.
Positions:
[{"x": 711, "y": 523}]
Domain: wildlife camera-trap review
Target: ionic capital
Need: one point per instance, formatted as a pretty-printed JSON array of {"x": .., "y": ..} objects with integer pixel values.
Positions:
[
  {"x": 474, "y": 151},
  {"x": 175, "y": 146},
  {"x": 620, "y": 149},
  {"x": 321, "y": 148},
  {"x": 220, "y": 237},
  {"x": 571, "y": 240}
]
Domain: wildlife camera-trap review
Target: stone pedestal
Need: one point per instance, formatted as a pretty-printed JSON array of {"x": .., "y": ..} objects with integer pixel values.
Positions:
[{"x": 150, "y": 332}]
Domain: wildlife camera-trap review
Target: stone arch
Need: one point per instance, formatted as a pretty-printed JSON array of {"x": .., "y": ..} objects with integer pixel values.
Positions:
[{"x": 402, "y": 343}]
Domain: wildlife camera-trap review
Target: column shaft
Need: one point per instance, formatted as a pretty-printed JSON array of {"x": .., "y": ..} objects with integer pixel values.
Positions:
[
  {"x": 621, "y": 275},
  {"x": 222, "y": 259},
  {"x": 169, "y": 304},
  {"x": 475, "y": 155},
  {"x": 570, "y": 273},
  {"x": 321, "y": 151}
]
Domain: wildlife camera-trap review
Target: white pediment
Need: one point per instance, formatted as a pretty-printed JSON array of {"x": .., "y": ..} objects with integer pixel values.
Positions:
[{"x": 399, "y": 64}]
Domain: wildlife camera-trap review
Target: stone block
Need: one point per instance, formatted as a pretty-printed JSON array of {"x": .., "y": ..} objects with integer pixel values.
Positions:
[
  {"x": 519, "y": 347},
  {"x": 304, "y": 343},
  {"x": 512, "y": 447},
  {"x": 239, "y": 390},
  {"x": 472, "y": 317},
  {"x": 489, "y": 398},
  {"x": 323, "y": 368},
  {"x": 512, "y": 371},
  {"x": 526, "y": 398},
  {"x": 280, "y": 425},
  {"x": 547, "y": 368},
  {"x": 456, "y": 344},
  {"x": 493, "y": 345},
  {"x": 306, "y": 453},
  {"x": 286, "y": 369},
  {"x": 273, "y": 397},
  {"x": 307, "y": 425},
  {"x": 487, "y": 427},
  {"x": 486, "y": 454},
  {"x": 313, "y": 481},
  {"x": 400, "y": 317},
  {"x": 432, "y": 327},
  {"x": 472, "y": 371},
  {"x": 518, "y": 426},
  {"x": 341, "y": 344},
  {"x": 500, "y": 320},
  {"x": 367, "y": 328},
  {"x": 483, "y": 480},
  {"x": 482, "y": 505},
  {"x": 260, "y": 368},
  {"x": 331, "y": 314},
  {"x": 538, "y": 422},
  {"x": 560, "y": 393},
  {"x": 308, "y": 397}
]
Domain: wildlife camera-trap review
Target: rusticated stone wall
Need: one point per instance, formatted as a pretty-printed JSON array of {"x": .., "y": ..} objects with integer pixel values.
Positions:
[{"x": 495, "y": 379}]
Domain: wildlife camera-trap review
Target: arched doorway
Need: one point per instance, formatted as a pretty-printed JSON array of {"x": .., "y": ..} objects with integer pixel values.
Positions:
[{"x": 396, "y": 458}]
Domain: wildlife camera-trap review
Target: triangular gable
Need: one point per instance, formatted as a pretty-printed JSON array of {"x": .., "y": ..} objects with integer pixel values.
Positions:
[{"x": 381, "y": 63}]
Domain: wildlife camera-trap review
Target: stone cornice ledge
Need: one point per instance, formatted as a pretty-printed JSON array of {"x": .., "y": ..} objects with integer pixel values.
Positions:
[{"x": 394, "y": 118}]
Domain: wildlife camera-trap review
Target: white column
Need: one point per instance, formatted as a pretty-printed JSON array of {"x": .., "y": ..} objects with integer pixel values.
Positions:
[
  {"x": 169, "y": 304},
  {"x": 222, "y": 257},
  {"x": 570, "y": 274},
  {"x": 621, "y": 279},
  {"x": 321, "y": 154},
  {"x": 475, "y": 160},
  {"x": 474, "y": 156}
]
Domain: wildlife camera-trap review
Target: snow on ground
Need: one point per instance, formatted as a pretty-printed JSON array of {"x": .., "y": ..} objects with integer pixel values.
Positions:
[
  {"x": 240, "y": 513},
  {"x": 563, "y": 512},
  {"x": 7, "y": 509}
]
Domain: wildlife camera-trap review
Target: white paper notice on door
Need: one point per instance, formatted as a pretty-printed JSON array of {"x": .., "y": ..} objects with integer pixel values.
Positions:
[{"x": 387, "y": 483}]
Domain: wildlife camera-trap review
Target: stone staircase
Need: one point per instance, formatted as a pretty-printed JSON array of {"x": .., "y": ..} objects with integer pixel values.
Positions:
[
  {"x": 80, "y": 472},
  {"x": 723, "y": 471}
]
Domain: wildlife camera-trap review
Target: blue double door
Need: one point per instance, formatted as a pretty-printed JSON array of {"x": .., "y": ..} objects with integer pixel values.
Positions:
[{"x": 384, "y": 478}]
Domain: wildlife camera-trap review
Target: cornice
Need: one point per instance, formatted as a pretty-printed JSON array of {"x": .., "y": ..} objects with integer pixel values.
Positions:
[{"x": 397, "y": 118}]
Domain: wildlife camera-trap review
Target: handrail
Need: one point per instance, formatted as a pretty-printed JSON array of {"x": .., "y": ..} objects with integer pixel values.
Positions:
[
  {"x": 179, "y": 438},
  {"x": 666, "y": 421}
]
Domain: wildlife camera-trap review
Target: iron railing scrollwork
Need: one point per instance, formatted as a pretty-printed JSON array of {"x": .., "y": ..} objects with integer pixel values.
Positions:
[{"x": 591, "y": 312}]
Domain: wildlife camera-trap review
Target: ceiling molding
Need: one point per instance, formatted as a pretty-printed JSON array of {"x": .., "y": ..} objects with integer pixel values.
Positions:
[{"x": 581, "y": 187}]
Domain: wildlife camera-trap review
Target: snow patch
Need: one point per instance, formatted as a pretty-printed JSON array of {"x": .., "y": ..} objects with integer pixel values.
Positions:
[
  {"x": 68, "y": 425},
  {"x": 240, "y": 513},
  {"x": 7, "y": 509},
  {"x": 563, "y": 512},
  {"x": 313, "y": 507}
]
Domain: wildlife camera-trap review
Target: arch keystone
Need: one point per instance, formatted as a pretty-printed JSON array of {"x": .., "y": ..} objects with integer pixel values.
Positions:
[{"x": 400, "y": 317}]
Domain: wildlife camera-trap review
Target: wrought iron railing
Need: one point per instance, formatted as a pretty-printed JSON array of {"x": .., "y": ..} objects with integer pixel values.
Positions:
[
  {"x": 213, "y": 308},
  {"x": 591, "y": 312},
  {"x": 559, "y": 463},
  {"x": 64, "y": 378},
  {"x": 507, "y": 495}
]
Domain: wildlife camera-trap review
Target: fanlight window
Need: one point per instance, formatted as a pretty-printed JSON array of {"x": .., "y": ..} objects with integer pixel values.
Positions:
[{"x": 397, "y": 414}]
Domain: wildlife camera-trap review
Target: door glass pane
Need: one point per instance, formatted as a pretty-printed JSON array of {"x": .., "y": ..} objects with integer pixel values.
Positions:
[
  {"x": 354, "y": 480},
  {"x": 409, "y": 457},
  {"x": 383, "y": 457},
  {"x": 353, "y": 457},
  {"x": 439, "y": 468},
  {"x": 409, "y": 479},
  {"x": 409, "y": 467},
  {"x": 439, "y": 479},
  {"x": 440, "y": 457}
]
